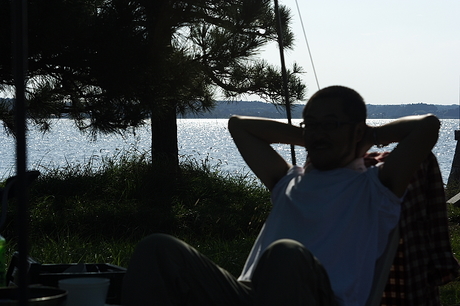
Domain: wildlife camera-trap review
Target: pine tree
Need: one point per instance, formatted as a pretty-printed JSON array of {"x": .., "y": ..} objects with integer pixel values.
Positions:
[{"x": 112, "y": 64}]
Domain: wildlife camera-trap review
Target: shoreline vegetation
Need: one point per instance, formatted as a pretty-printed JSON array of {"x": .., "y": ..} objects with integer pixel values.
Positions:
[
  {"x": 82, "y": 215},
  {"x": 224, "y": 109}
]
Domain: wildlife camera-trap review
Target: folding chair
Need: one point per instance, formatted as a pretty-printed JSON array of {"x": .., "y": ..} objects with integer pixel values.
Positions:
[{"x": 422, "y": 240}]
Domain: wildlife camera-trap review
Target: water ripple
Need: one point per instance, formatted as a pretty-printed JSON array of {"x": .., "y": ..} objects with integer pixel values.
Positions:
[{"x": 201, "y": 139}]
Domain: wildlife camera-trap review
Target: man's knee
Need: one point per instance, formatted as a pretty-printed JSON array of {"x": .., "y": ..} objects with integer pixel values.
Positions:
[
  {"x": 156, "y": 241},
  {"x": 158, "y": 248},
  {"x": 285, "y": 245},
  {"x": 289, "y": 251}
]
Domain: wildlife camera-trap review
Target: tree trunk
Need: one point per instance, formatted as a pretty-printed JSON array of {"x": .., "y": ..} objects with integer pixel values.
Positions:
[{"x": 164, "y": 138}]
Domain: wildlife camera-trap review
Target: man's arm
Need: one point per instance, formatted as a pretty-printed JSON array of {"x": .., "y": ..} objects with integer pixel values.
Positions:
[
  {"x": 254, "y": 136},
  {"x": 416, "y": 137}
]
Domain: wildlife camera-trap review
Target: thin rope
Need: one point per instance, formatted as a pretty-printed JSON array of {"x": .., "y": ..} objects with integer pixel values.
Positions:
[{"x": 308, "y": 47}]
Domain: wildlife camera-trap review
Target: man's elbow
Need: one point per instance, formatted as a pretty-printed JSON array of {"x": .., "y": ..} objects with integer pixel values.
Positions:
[
  {"x": 233, "y": 122},
  {"x": 430, "y": 126},
  {"x": 432, "y": 122}
]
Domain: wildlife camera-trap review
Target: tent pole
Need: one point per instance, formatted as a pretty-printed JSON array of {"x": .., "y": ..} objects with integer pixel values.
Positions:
[
  {"x": 284, "y": 74},
  {"x": 19, "y": 19}
]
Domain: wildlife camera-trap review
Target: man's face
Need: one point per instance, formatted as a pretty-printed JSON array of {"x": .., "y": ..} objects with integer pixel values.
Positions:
[{"x": 330, "y": 137}]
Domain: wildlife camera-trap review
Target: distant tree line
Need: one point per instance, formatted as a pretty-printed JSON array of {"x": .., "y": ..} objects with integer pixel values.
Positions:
[
  {"x": 225, "y": 109},
  {"x": 396, "y": 111}
]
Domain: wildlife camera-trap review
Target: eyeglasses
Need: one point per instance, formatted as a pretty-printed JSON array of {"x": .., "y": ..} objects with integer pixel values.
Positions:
[{"x": 328, "y": 125}]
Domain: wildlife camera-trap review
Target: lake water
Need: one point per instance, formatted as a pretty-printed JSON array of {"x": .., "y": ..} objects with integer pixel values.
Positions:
[{"x": 204, "y": 140}]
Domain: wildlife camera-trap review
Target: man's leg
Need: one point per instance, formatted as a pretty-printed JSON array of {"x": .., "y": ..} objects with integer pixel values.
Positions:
[
  {"x": 288, "y": 274},
  {"x": 166, "y": 271}
]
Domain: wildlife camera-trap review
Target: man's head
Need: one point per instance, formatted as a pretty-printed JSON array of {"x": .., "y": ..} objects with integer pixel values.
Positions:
[
  {"x": 334, "y": 120},
  {"x": 352, "y": 103}
]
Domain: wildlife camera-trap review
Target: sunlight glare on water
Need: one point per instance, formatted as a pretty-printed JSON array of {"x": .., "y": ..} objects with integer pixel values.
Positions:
[{"x": 202, "y": 140}]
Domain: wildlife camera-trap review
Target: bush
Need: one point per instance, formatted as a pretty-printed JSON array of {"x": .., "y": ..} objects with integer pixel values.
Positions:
[{"x": 79, "y": 213}]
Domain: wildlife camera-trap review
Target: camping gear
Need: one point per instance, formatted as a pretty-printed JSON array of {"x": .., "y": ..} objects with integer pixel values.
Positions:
[
  {"x": 50, "y": 274},
  {"x": 38, "y": 296}
]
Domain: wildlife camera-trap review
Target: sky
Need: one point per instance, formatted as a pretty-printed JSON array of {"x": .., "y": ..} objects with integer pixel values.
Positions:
[{"x": 391, "y": 52}]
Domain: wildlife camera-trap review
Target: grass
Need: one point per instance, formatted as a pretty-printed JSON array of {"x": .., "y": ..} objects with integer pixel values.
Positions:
[{"x": 82, "y": 214}]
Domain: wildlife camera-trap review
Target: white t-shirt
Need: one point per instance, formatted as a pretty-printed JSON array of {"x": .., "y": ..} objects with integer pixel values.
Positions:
[{"x": 343, "y": 216}]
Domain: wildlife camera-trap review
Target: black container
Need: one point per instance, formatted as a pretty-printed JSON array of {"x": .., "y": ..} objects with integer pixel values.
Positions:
[
  {"x": 38, "y": 296},
  {"x": 50, "y": 274}
]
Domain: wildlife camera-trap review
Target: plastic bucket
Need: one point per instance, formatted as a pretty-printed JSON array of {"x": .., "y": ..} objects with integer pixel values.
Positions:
[{"x": 88, "y": 291}]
